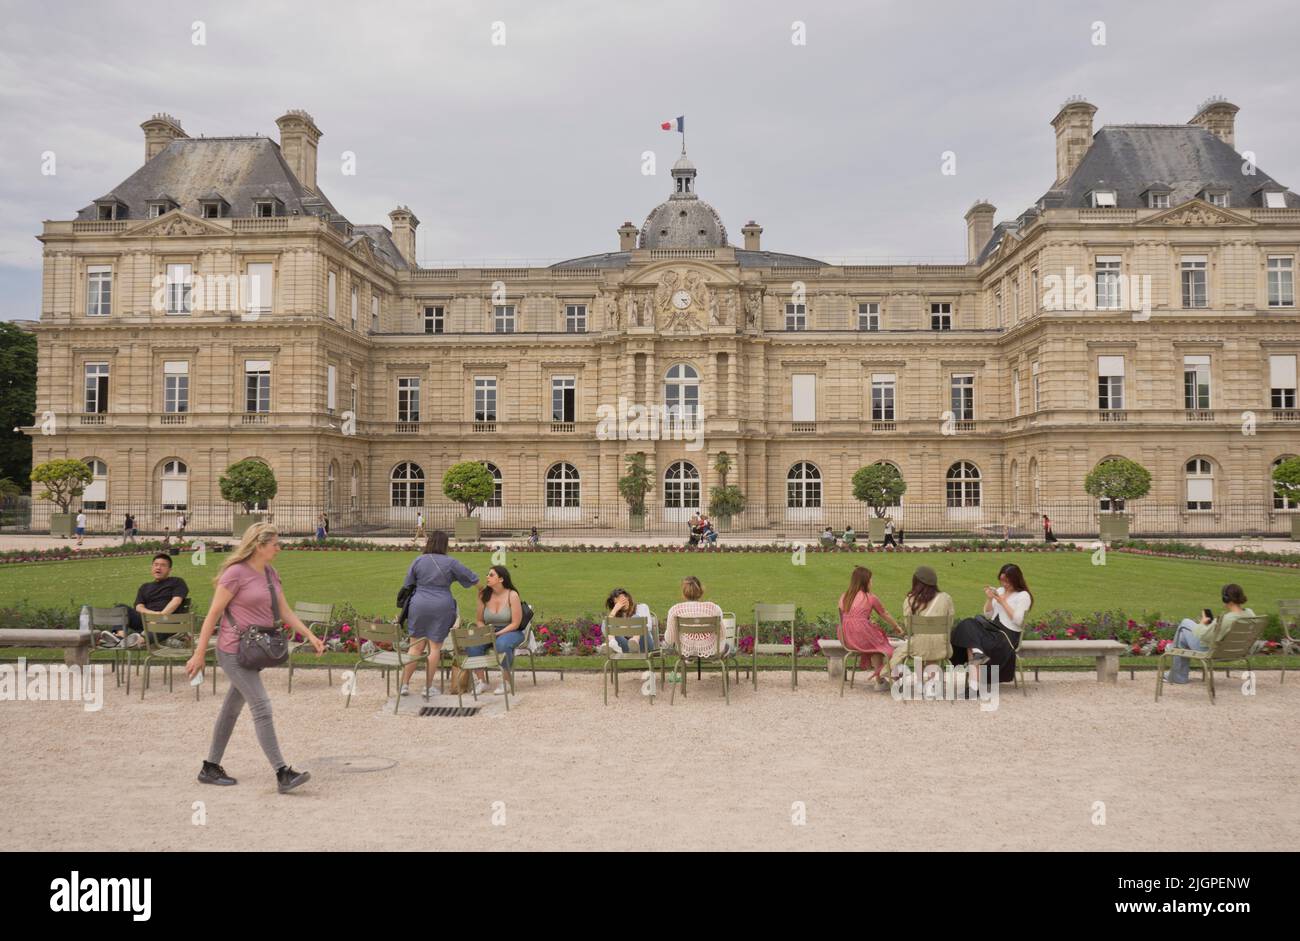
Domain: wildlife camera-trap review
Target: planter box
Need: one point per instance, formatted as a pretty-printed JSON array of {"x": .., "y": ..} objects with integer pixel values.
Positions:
[
  {"x": 876, "y": 529},
  {"x": 1114, "y": 526},
  {"x": 636, "y": 522},
  {"x": 240, "y": 523},
  {"x": 1295, "y": 526},
  {"x": 467, "y": 529},
  {"x": 61, "y": 524},
  {"x": 723, "y": 524}
]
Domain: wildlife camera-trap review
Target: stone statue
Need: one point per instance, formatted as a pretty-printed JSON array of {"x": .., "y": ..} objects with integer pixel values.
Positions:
[
  {"x": 647, "y": 318},
  {"x": 753, "y": 307},
  {"x": 715, "y": 318}
]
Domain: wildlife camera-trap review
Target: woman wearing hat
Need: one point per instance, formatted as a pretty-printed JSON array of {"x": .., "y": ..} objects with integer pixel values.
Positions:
[
  {"x": 994, "y": 636},
  {"x": 927, "y": 600}
]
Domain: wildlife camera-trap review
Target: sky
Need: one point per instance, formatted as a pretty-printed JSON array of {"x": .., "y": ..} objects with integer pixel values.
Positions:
[{"x": 516, "y": 131}]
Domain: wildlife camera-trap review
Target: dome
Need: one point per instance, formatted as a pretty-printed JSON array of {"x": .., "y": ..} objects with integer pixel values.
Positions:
[{"x": 683, "y": 220}]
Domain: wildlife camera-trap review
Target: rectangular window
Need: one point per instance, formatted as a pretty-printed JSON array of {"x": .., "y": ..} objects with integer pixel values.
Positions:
[
  {"x": 869, "y": 316},
  {"x": 1193, "y": 280},
  {"x": 1108, "y": 268},
  {"x": 1275, "y": 200},
  {"x": 1033, "y": 381},
  {"x": 1110, "y": 383},
  {"x": 941, "y": 316},
  {"x": 179, "y": 283},
  {"x": 331, "y": 296},
  {"x": 157, "y": 210},
  {"x": 434, "y": 320},
  {"x": 261, "y": 288},
  {"x": 1281, "y": 281},
  {"x": 176, "y": 387},
  {"x": 563, "y": 398},
  {"x": 997, "y": 306},
  {"x": 257, "y": 385},
  {"x": 408, "y": 399},
  {"x": 374, "y": 313},
  {"x": 99, "y": 290},
  {"x": 1015, "y": 300},
  {"x": 796, "y": 316},
  {"x": 331, "y": 387},
  {"x": 96, "y": 388},
  {"x": 1218, "y": 199},
  {"x": 1035, "y": 299},
  {"x": 1015, "y": 393},
  {"x": 963, "y": 397},
  {"x": 575, "y": 318},
  {"x": 883, "y": 387},
  {"x": 1159, "y": 201},
  {"x": 265, "y": 210},
  {"x": 485, "y": 398},
  {"x": 503, "y": 318},
  {"x": 1281, "y": 381},
  {"x": 352, "y": 399},
  {"x": 354, "y": 308},
  {"x": 1103, "y": 199},
  {"x": 803, "y": 397},
  {"x": 1196, "y": 382}
]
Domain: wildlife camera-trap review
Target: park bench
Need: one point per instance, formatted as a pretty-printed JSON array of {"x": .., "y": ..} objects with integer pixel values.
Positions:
[
  {"x": 76, "y": 644},
  {"x": 1107, "y": 653}
]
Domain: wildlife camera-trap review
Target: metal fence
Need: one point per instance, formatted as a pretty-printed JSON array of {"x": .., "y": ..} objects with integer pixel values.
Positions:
[{"x": 776, "y": 521}]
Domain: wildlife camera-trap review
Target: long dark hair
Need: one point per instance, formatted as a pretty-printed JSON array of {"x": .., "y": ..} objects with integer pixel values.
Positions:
[
  {"x": 1017, "y": 580},
  {"x": 859, "y": 581},
  {"x": 506, "y": 583},
  {"x": 436, "y": 544},
  {"x": 613, "y": 597},
  {"x": 919, "y": 598}
]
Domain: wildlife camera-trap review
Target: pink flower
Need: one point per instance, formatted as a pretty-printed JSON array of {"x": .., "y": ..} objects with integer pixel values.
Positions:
[{"x": 346, "y": 629}]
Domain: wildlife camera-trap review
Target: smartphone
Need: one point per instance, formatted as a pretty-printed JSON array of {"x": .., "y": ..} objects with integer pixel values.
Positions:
[
  {"x": 198, "y": 679},
  {"x": 1207, "y": 614}
]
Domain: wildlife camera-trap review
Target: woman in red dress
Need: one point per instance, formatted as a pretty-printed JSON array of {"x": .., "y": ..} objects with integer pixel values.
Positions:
[{"x": 858, "y": 633}]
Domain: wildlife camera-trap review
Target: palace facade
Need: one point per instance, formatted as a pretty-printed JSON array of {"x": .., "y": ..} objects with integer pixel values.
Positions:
[{"x": 216, "y": 306}]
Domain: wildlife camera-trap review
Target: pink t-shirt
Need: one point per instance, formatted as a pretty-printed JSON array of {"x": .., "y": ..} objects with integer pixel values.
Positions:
[{"x": 251, "y": 604}]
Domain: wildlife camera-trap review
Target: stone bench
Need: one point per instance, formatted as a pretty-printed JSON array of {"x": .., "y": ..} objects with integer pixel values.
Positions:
[
  {"x": 1107, "y": 653},
  {"x": 76, "y": 644}
]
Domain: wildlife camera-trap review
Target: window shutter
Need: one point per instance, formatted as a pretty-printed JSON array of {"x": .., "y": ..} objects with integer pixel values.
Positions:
[
  {"x": 1281, "y": 372},
  {"x": 804, "y": 394}
]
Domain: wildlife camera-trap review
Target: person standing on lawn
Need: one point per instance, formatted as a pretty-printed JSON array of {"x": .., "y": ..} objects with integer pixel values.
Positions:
[{"x": 433, "y": 609}]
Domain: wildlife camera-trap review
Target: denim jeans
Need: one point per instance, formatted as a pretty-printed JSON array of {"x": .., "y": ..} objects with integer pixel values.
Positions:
[
  {"x": 505, "y": 644},
  {"x": 1183, "y": 637}
]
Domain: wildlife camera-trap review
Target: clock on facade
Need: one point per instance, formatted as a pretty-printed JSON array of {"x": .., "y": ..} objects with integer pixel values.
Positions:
[{"x": 682, "y": 300}]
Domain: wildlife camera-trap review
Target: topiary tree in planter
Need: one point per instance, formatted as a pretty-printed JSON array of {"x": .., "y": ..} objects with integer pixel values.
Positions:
[
  {"x": 248, "y": 483},
  {"x": 62, "y": 480},
  {"x": 880, "y": 486},
  {"x": 1286, "y": 484},
  {"x": 633, "y": 487},
  {"x": 725, "y": 500},
  {"x": 1117, "y": 479},
  {"x": 471, "y": 485}
]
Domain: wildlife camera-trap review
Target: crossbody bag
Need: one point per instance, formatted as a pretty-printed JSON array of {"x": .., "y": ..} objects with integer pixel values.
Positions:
[{"x": 261, "y": 647}]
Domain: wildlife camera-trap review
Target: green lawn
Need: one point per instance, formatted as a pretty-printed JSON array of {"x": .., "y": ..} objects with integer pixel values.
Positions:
[{"x": 566, "y": 585}]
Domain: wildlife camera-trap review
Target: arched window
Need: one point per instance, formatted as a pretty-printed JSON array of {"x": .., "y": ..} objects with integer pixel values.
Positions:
[
  {"x": 803, "y": 486},
  {"x": 963, "y": 485},
  {"x": 1290, "y": 502},
  {"x": 495, "y": 471},
  {"x": 329, "y": 485},
  {"x": 1200, "y": 484},
  {"x": 681, "y": 486},
  {"x": 95, "y": 496},
  {"x": 563, "y": 488},
  {"x": 406, "y": 486},
  {"x": 682, "y": 392},
  {"x": 175, "y": 485},
  {"x": 354, "y": 485}
]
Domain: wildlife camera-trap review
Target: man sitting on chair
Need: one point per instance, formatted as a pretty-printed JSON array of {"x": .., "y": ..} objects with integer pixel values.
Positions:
[{"x": 166, "y": 594}]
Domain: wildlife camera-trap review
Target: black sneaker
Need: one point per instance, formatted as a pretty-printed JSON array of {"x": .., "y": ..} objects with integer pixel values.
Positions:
[
  {"x": 215, "y": 774},
  {"x": 287, "y": 779}
]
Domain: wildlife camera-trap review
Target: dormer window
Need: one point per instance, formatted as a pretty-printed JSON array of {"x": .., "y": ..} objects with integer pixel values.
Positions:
[
  {"x": 1159, "y": 201},
  {"x": 110, "y": 209},
  {"x": 160, "y": 206},
  {"x": 1216, "y": 196},
  {"x": 1156, "y": 196},
  {"x": 212, "y": 210},
  {"x": 1102, "y": 199},
  {"x": 214, "y": 206},
  {"x": 1275, "y": 200},
  {"x": 267, "y": 207}
]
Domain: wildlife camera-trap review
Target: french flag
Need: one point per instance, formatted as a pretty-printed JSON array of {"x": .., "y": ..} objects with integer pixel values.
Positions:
[{"x": 680, "y": 122}]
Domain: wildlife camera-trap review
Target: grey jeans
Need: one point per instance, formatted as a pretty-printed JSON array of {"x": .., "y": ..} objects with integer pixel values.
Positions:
[{"x": 245, "y": 686}]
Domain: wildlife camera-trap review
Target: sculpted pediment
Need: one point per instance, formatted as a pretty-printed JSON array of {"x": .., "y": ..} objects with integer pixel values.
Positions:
[
  {"x": 177, "y": 223},
  {"x": 1197, "y": 212}
]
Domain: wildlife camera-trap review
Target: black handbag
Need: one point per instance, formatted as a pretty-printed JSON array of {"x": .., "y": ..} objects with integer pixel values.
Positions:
[
  {"x": 404, "y": 595},
  {"x": 262, "y": 647}
]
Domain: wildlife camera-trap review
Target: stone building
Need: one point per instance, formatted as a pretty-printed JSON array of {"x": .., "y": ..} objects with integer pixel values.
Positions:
[{"x": 215, "y": 306}]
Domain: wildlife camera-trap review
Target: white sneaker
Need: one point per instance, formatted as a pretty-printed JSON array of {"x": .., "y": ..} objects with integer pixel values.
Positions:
[
  {"x": 480, "y": 687},
  {"x": 404, "y": 691},
  {"x": 499, "y": 690}
]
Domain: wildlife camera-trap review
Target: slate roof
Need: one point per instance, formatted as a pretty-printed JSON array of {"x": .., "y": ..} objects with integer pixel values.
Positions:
[
  {"x": 746, "y": 259},
  {"x": 382, "y": 240}
]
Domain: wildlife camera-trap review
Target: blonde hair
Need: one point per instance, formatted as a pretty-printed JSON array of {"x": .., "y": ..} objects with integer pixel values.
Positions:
[
  {"x": 692, "y": 590},
  {"x": 259, "y": 534}
]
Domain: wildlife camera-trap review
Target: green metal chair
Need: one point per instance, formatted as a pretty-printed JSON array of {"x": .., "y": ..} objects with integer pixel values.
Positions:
[
  {"x": 1233, "y": 647},
  {"x": 477, "y": 635},
  {"x": 113, "y": 619},
  {"x": 628, "y": 628},
  {"x": 175, "y": 625},
  {"x": 927, "y": 636},
  {"x": 1288, "y": 612},
  {"x": 526, "y": 647},
  {"x": 709, "y": 625},
  {"x": 314, "y": 616},
  {"x": 778, "y": 614},
  {"x": 387, "y": 660}
]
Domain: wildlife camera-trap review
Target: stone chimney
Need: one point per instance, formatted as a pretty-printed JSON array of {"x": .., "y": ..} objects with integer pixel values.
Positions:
[
  {"x": 979, "y": 228},
  {"x": 1219, "y": 117},
  {"x": 751, "y": 230},
  {"x": 298, "y": 137},
  {"x": 404, "y": 226},
  {"x": 1073, "y": 125},
  {"x": 159, "y": 131},
  {"x": 626, "y": 237}
]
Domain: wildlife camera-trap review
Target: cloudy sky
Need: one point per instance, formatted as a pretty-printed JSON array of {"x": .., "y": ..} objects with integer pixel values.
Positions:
[{"x": 532, "y": 149}]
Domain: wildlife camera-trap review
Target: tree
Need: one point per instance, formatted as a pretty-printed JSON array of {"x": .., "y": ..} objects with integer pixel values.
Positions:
[
  {"x": 634, "y": 486},
  {"x": 1286, "y": 480},
  {"x": 470, "y": 484},
  {"x": 880, "y": 486},
  {"x": 249, "y": 483},
  {"x": 722, "y": 467},
  {"x": 725, "y": 500},
  {"x": 1116, "y": 479},
  {"x": 17, "y": 399},
  {"x": 63, "y": 480},
  {"x": 9, "y": 489}
]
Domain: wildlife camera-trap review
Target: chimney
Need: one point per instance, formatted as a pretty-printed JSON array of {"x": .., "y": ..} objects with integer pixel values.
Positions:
[
  {"x": 626, "y": 237},
  {"x": 159, "y": 131},
  {"x": 751, "y": 230},
  {"x": 1218, "y": 116},
  {"x": 1073, "y": 125},
  {"x": 404, "y": 226},
  {"x": 979, "y": 228},
  {"x": 298, "y": 137}
]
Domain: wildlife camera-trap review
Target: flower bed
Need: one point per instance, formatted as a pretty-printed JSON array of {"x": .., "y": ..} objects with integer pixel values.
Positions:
[{"x": 69, "y": 552}]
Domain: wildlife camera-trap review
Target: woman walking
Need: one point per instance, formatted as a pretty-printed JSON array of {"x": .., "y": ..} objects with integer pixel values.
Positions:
[
  {"x": 994, "y": 637},
  {"x": 248, "y": 594},
  {"x": 499, "y": 608},
  {"x": 858, "y": 633},
  {"x": 1048, "y": 535},
  {"x": 433, "y": 609}
]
